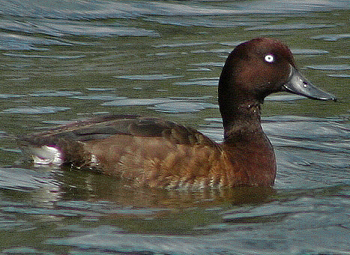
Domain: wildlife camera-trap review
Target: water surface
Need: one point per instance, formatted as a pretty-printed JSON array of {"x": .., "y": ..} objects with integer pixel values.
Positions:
[{"x": 68, "y": 60}]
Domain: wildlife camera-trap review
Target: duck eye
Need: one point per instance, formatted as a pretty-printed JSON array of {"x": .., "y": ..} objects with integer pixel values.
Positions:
[{"x": 270, "y": 58}]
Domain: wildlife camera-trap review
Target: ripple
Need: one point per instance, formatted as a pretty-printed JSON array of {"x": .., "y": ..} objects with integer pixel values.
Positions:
[
  {"x": 99, "y": 97},
  {"x": 339, "y": 75},
  {"x": 330, "y": 67},
  {"x": 290, "y": 7},
  {"x": 22, "y": 42},
  {"x": 36, "y": 110},
  {"x": 43, "y": 56},
  {"x": 183, "y": 107},
  {"x": 344, "y": 57},
  {"x": 3, "y": 134},
  {"x": 149, "y": 77},
  {"x": 51, "y": 212},
  {"x": 20, "y": 179},
  {"x": 200, "y": 69},
  {"x": 213, "y": 64},
  {"x": 22, "y": 250},
  {"x": 105, "y": 207},
  {"x": 66, "y": 9},
  {"x": 53, "y": 93},
  {"x": 100, "y": 89},
  {"x": 97, "y": 29},
  {"x": 192, "y": 98},
  {"x": 7, "y": 96},
  {"x": 60, "y": 28},
  {"x": 331, "y": 37},
  {"x": 295, "y": 213},
  {"x": 308, "y": 52},
  {"x": 232, "y": 44},
  {"x": 202, "y": 22},
  {"x": 320, "y": 129},
  {"x": 225, "y": 51},
  {"x": 290, "y": 27},
  {"x": 180, "y": 45},
  {"x": 168, "y": 105},
  {"x": 199, "y": 82},
  {"x": 292, "y": 232},
  {"x": 137, "y": 102},
  {"x": 11, "y": 222},
  {"x": 284, "y": 97},
  {"x": 100, "y": 9}
]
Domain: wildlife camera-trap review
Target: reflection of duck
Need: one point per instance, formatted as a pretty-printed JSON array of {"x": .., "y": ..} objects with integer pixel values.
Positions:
[{"x": 158, "y": 153}]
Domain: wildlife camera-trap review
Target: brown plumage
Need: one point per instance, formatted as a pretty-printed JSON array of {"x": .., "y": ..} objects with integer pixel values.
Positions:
[{"x": 162, "y": 154}]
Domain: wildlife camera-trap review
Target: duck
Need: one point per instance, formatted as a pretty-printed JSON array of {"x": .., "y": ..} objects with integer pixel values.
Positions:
[{"x": 157, "y": 153}]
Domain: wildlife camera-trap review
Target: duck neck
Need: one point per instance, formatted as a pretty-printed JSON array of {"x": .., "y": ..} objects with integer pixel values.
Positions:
[
  {"x": 241, "y": 114},
  {"x": 239, "y": 102},
  {"x": 242, "y": 121}
]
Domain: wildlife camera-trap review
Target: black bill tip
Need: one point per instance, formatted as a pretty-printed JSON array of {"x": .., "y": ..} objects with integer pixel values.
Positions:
[{"x": 299, "y": 85}]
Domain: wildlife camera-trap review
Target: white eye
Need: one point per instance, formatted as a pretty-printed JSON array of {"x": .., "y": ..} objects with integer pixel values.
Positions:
[{"x": 270, "y": 58}]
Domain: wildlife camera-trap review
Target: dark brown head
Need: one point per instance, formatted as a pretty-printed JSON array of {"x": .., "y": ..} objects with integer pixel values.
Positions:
[{"x": 254, "y": 70}]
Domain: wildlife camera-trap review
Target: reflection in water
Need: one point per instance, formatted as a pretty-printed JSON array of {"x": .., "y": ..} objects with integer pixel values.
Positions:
[
  {"x": 101, "y": 187},
  {"x": 66, "y": 60},
  {"x": 54, "y": 184}
]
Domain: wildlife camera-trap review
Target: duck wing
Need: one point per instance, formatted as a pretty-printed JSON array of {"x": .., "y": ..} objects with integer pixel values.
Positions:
[
  {"x": 106, "y": 126},
  {"x": 111, "y": 143}
]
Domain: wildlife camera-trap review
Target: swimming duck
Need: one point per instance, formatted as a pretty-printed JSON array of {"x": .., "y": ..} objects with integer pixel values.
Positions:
[{"x": 162, "y": 154}]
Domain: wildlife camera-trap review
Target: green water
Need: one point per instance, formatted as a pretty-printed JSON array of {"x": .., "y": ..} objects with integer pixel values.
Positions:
[{"x": 69, "y": 61}]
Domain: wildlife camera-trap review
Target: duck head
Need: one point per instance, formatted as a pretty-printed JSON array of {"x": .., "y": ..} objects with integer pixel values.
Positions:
[{"x": 254, "y": 70}]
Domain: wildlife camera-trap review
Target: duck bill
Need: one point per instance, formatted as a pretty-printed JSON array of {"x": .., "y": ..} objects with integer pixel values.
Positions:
[{"x": 298, "y": 84}]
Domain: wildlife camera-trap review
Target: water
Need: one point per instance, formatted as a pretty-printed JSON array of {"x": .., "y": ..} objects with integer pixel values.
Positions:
[{"x": 65, "y": 60}]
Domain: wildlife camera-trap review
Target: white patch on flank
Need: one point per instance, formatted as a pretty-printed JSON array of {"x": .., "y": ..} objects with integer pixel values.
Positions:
[
  {"x": 46, "y": 155},
  {"x": 94, "y": 160}
]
